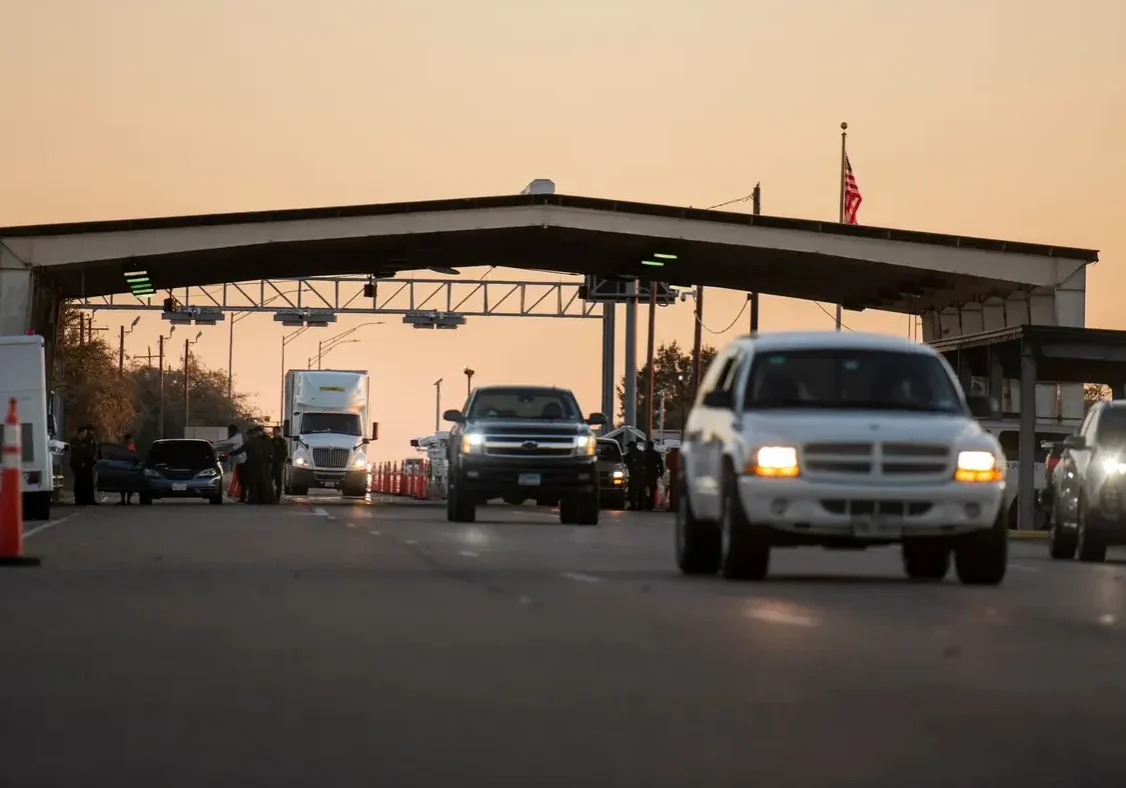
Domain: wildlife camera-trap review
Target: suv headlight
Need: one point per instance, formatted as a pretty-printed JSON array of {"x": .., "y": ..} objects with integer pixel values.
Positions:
[
  {"x": 585, "y": 445},
  {"x": 978, "y": 466},
  {"x": 472, "y": 443},
  {"x": 774, "y": 462}
]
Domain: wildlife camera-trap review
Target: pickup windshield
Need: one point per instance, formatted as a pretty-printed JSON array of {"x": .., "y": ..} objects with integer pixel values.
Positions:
[
  {"x": 335, "y": 423},
  {"x": 525, "y": 404},
  {"x": 851, "y": 380}
]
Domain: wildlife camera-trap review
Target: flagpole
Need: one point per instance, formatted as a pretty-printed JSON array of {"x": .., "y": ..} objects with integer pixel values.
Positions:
[{"x": 841, "y": 203}]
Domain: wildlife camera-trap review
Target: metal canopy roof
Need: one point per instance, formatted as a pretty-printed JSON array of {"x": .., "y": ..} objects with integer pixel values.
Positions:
[
  {"x": 1063, "y": 355},
  {"x": 861, "y": 267}
]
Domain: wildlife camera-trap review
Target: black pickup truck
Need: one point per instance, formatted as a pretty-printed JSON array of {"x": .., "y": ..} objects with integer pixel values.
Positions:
[{"x": 521, "y": 442}]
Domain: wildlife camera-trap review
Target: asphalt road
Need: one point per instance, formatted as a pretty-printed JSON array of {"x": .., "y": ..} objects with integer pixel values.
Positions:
[{"x": 327, "y": 644}]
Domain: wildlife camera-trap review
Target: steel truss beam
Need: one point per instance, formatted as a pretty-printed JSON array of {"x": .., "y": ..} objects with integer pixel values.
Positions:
[{"x": 345, "y": 295}]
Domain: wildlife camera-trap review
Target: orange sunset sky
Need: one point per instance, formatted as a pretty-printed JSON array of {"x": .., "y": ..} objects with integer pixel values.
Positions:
[{"x": 998, "y": 118}]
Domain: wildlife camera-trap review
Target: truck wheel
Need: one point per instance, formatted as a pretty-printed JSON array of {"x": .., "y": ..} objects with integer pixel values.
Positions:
[
  {"x": 697, "y": 542},
  {"x": 926, "y": 559},
  {"x": 460, "y": 508},
  {"x": 37, "y": 506},
  {"x": 981, "y": 558},
  {"x": 568, "y": 511},
  {"x": 300, "y": 491},
  {"x": 744, "y": 547},
  {"x": 587, "y": 509}
]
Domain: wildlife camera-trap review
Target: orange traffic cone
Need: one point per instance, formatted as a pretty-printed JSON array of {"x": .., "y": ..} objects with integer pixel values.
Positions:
[{"x": 11, "y": 495}]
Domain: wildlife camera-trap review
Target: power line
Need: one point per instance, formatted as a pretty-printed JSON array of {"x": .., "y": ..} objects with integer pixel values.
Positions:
[
  {"x": 834, "y": 317},
  {"x": 729, "y": 325},
  {"x": 732, "y": 202}
]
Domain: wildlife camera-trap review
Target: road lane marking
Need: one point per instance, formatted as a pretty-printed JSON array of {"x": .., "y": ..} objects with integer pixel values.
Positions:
[
  {"x": 409, "y": 541},
  {"x": 580, "y": 577},
  {"x": 776, "y": 616},
  {"x": 1107, "y": 619},
  {"x": 319, "y": 511},
  {"x": 375, "y": 533},
  {"x": 49, "y": 524},
  {"x": 467, "y": 553},
  {"x": 1025, "y": 568},
  {"x": 350, "y": 525},
  {"x": 525, "y": 600}
]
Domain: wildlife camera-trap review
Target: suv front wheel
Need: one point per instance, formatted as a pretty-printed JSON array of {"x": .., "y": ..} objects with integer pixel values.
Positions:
[
  {"x": 697, "y": 541},
  {"x": 981, "y": 558},
  {"x": 745, "y": 547}
]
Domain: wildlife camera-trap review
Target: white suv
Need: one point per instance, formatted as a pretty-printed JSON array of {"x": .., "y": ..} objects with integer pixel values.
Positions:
[{"x": 839, "y": 440}]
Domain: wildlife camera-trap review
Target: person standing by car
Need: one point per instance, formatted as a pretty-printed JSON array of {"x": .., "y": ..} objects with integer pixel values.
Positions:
[
  {"x": 654, "y": 470},
  {"x": 635, "y": 461},
  {"x": 127, "y": 442},
  {"x": 235, "y": 448},
  {"x": 259, "y": 450},
  {"x": 83, "y": 455},
  {"x": 279, "y": 456}
]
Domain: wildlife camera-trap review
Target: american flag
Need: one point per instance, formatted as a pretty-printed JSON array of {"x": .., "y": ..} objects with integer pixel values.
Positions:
[{"x": 852, "y": 198}]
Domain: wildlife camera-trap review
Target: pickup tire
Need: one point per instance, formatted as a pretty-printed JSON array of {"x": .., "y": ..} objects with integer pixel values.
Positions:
[
  {"x": 37, "y": 506},
  {"x": 145, "y": 500},
  {"x": 981, "y": 558},
  {"x": 216, "y": 500},
  {"x": 744, "y": 547},
  {"x": 587, "y": 509},
  {"x": 460, "y": 508},
  {"x": 1090, "y": 548},
  {"x": 1061, "y": 544},
  {"x": 697, "y": 542},
  {"x": 926, "y": 559}
]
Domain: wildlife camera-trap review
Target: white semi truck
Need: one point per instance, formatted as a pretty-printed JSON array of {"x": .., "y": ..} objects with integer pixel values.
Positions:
[
  {"x": 326, "y": 417},
  {"x": 23, "y": 377}
]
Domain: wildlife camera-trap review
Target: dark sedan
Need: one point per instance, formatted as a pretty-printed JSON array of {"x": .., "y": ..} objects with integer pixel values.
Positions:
[{"x": 176, "y": 468}]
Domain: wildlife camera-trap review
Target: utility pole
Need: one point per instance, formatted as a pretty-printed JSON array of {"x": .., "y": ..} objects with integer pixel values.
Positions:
[
  {"x": 121, "y": 352},
  {"x": 756, "y": 209},
  {"x": 160, "y": 383},
  {"x": 697, "y": 339},
  {"x": 187, "y": 384},
  {"x": 437, "y": 404},
  {"x": 649, "y": 382}
]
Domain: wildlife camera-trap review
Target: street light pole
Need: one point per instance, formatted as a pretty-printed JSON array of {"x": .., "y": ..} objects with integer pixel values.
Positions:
[
  {"x": 437, "y": 404},
  {"x": 469, "y": 373}
]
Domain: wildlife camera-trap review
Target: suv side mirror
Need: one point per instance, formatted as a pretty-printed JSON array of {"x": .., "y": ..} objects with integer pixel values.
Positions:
[
  {"x": 718, "y": 399},
  {"x": 454, "y": 416},
  {"x": 414, "y": 442},
  {"x": 285, "y": 429},
  {"x": 375, "y": 430},
  {"x": 596, "y": 419},
  {"x": 1076, "y": 442},
  {"x": 981, "y": 406}
]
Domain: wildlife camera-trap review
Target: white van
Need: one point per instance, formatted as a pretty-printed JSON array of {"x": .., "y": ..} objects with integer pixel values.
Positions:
[{"x": 25, "y": 380}]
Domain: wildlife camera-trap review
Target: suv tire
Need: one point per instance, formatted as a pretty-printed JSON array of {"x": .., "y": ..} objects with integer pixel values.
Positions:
[
  {"x": 698, "y": 543},
  {"x": 981, "y": 558},
  {"x": 744, "y": 547},
  {"x": 587, "y": 508}
]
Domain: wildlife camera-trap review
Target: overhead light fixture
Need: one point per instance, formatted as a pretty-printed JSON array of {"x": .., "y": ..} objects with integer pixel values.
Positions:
[
  {"x": 136, "y": 273},
  {"x": 665, "y": 256},
  {"x": 653, "y": 263}
]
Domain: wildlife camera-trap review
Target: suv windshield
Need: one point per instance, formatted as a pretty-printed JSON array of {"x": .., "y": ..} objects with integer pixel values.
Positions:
[
  {"x": 609, "y": 451},
  {"x": 1111, "y": 431},
  {"x": 550, "y": 404},
  {"x": 336, "y": 423},
  {"x": 187, "y": 455},
  {"x": 851, "y": 379}
]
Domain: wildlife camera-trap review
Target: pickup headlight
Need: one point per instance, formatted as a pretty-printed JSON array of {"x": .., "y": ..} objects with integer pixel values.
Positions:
[
  {"x": 774, "y": 461},
  {"x": 618, "y": 475},
  {"x": 978, "y": 466},
  {"x": 472, "y": 443},
  {"x": 1114, "y": 467},
  {"x": 585, "y": 446}
]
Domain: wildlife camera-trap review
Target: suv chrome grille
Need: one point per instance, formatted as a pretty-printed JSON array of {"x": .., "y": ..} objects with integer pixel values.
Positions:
[
  {"x": 853, "y": 459},
  {"x": 330, "y": 458}
]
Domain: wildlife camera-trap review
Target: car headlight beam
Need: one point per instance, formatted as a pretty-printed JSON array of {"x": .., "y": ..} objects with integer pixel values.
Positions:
[
  {"x": 774, "y": 461},
  {"x": 978, "y": 466}
]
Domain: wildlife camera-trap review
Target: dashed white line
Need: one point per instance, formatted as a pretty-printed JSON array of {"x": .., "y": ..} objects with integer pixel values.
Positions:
[
  {"x": 775, "y": 616},
  {"x": 319, "y": 511},
  {"x": 375, "y": 533},
  {"x": 1108, "y": 619},
  {"x": 50, "y": 524},
  {"x": 467, "y": 553},
  {"x": 1024, "y": 568},
  {"x": 580, "y": 577},
  {"x": 409, "y": 541},
  {"x": 350, "y": 525}
]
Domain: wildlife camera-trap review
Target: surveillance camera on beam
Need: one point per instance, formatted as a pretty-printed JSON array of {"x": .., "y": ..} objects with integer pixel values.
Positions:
[
  {"x": 434, "y": 319},
  {"x": 313, "y": 318}
]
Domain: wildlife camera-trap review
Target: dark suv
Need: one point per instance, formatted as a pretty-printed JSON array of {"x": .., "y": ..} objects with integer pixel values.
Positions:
[{"x": 519, "y": 442}]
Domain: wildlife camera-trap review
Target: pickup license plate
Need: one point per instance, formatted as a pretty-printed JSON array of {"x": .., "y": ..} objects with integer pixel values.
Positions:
[
  {"x": 179, "y": 488},
  {"x": 529, "y": 480},
  {"x": 875, "y": 528}
]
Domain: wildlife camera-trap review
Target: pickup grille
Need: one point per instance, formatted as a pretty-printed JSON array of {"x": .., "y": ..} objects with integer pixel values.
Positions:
[
  {"x": 896, "y": 460},
  {"x": 529, "y": 441},
  {"x": 330, "y": 458}
]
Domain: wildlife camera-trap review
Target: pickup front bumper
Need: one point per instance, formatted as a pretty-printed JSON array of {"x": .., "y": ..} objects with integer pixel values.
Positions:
[
  {"x": 499, "y": 477},
  {"x": 870, "y": 512}
]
